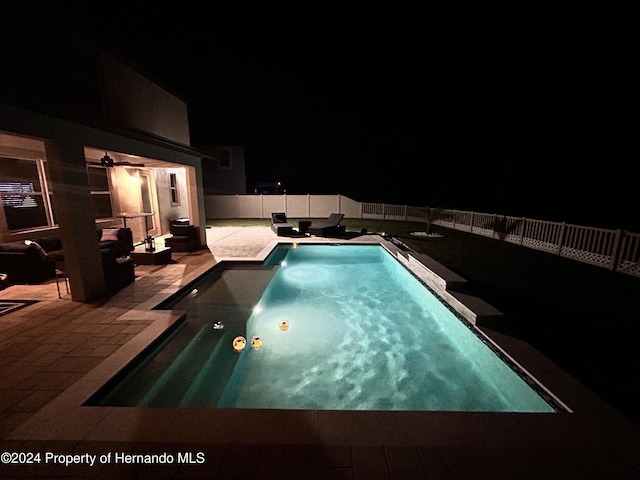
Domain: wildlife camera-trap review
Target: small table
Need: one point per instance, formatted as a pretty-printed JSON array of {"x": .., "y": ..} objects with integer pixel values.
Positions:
[
  {"x": 303, "y": 226},
  {"x": 125, "y": 216},
  {"x": 159, "y": 256}
]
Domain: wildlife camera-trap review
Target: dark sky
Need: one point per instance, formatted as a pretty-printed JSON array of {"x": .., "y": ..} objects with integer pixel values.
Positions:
[{"x": 527, "y": 109}]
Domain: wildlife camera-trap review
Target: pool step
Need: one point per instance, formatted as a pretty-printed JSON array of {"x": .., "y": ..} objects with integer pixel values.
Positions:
[
  {"x": 169, "y": 388},
  {"x": 206, "y": 388},
  {"x": 480, "y": 311},
  {"x": 437, "y": 273},
  {"x": 207, "y": 360},
  {"x": 451, "y": 287}
]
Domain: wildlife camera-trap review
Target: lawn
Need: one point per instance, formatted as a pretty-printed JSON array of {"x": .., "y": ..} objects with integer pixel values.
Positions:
[{"x": 580, "y": 316}]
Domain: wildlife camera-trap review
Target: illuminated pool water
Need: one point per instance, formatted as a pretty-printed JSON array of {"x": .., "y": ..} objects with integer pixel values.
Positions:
[{"x": 362, "y": 333}]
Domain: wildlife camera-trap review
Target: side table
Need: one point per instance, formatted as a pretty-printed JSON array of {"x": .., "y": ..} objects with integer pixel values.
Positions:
[{"x": 303, "y": 226}]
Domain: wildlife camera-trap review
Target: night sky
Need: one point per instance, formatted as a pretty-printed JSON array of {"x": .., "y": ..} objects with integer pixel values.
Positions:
[{"x": 518, "y": 109}]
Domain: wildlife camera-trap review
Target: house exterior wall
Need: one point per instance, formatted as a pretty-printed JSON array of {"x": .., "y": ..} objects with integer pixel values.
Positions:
[
  {"x": 219, "y": 178},
  {"x": 133, "y": 100},
  {"x": 169, "y": 210},
  {"x": 49, "y": 67},
  {"x": 68, "y": 174},
  {"x": 63, "y": 94}
]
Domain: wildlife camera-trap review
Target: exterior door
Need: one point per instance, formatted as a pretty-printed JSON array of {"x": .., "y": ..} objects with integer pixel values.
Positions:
[{"x": 149, "y": 202}]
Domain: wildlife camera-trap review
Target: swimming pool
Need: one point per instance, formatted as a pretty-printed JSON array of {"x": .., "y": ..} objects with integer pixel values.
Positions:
[{"x": 340, "y": 327}]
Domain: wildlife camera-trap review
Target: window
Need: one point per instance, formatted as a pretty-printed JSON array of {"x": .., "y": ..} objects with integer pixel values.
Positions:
[
  {"x": 173, "y": 188},
  {"x": 100, "y": 192},
  {"x": 224, "y": 157},
  {"x": 25, "y": 199}
]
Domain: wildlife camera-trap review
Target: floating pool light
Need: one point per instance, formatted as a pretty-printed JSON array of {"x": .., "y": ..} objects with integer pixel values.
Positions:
[
  {"x": 218, "y": 326},
  {"x": 284, "y": 325},
  {"x": 256, "y": 342},
  {"x": 239, "y": 343}
]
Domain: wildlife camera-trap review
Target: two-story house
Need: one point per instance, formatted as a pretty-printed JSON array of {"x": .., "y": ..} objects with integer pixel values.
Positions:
[{"x": 88, "y": 139}]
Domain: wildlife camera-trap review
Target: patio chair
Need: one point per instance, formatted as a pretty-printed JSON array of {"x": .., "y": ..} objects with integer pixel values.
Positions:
[
  {"x": 330, "y": 228},
  {"x": 280, "y": 225},
  {"x": 184, "y": 236}
]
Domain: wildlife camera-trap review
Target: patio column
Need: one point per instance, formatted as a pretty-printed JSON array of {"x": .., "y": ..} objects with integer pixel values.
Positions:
[
  {"x": 196, "y": 201},
  {"x": 75, "y": 218}
]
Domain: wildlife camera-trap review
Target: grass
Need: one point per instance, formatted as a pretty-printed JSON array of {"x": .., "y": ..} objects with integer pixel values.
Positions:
[{"x": 580, "y": 316}]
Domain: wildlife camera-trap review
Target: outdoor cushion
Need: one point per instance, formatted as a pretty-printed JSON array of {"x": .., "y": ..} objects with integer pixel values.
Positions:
[
  {"x": 14, "y": 247},
  {"x": 278, "y": 217},
  {"x": 39, "y": 250},
  {"x": 109, "y": 234},
  {"x": 50, "y": 244}
]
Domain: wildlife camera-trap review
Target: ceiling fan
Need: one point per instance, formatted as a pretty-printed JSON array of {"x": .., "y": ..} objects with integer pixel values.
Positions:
[{"x": 107, "y": 161}]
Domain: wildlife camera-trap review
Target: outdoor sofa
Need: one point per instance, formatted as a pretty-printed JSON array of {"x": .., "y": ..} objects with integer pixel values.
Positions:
[{"x": 36, "y": 260}]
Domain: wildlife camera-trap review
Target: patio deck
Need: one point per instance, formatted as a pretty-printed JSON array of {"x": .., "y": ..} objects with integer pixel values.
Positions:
[{"x": 56, "y": 352}]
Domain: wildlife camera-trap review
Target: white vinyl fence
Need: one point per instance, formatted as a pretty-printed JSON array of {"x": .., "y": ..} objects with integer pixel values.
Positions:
[{"x": 616, "y": 250}]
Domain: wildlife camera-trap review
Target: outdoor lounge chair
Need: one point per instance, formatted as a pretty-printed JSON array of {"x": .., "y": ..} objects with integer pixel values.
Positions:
[
  {"x": 280, "y": 225},
  {"x": 184, "y": 236},
  {"x": 330, "y": 228}
]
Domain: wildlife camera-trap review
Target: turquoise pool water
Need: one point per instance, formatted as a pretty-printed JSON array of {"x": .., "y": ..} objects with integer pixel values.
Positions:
[{"x": 342, "y": 327}]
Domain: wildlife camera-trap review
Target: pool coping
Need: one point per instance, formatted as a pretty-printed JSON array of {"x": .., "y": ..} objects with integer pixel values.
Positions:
[{"x": 66, "y": 418}]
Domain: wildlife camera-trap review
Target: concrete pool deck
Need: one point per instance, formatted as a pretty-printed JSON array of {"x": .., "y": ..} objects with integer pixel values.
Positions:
[{"x": 56, "y": 353}]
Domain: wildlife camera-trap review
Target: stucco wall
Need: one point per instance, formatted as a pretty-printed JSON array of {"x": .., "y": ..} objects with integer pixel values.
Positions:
[
  {"x": 139, "y": 103},
  {"x": 168, "y": 210}
]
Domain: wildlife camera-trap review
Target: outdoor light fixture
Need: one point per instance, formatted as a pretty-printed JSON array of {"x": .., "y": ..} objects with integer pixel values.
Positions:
[
  {"x": 106, "y": 161},
  {"x": 149, "y": 244}
]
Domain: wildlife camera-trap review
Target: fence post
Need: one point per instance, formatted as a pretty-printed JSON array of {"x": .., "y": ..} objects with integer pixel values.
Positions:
[
  {"x": 455, "y": 213},
  {"x": 618, "y": 240},
  {"x": 471, "y": 223},
  {"x": 524, "y": 220},
  {"x": 563, "y": 226},
  {"x": 384, "y": 211}
]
